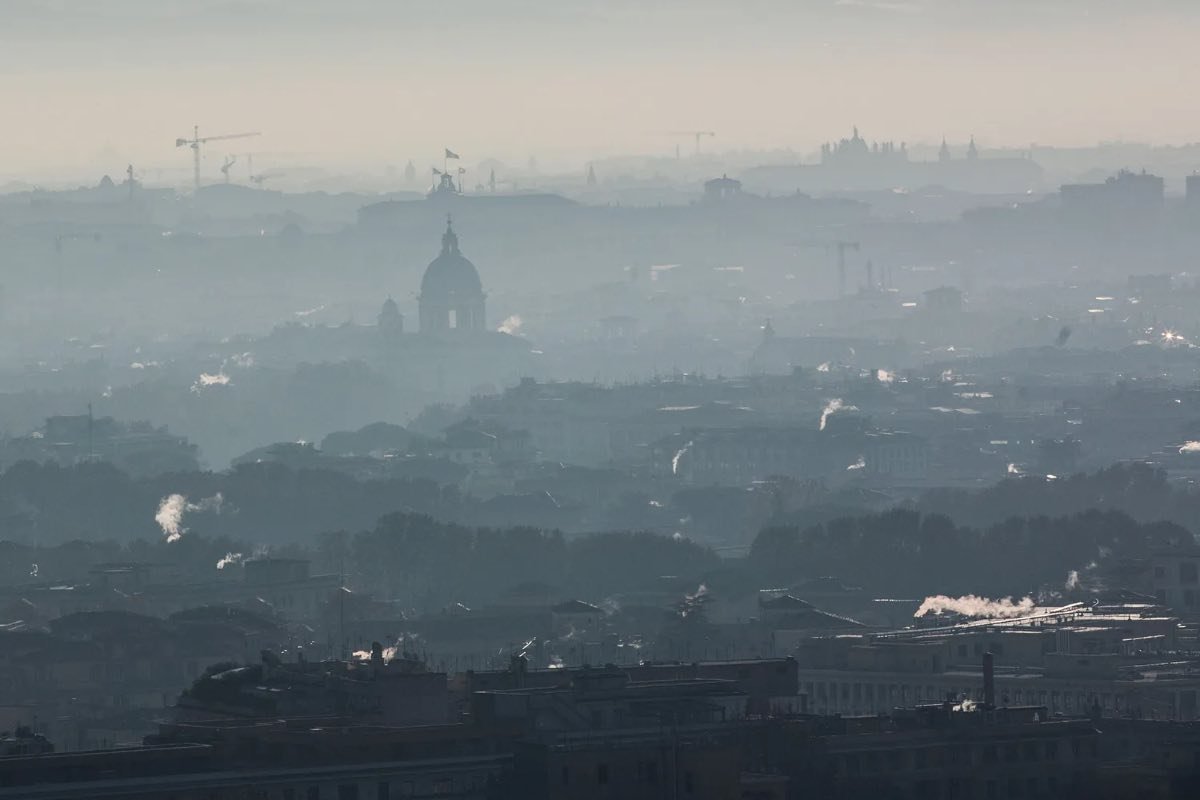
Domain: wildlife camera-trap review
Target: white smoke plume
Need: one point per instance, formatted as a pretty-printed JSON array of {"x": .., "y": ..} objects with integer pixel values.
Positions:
[
  {"x": 823, "y": 367},
  {"x": 212, "y": 504},
  {"x": 207, "y": 379},
  {"x": 860, "y": 464},
  {"x": 365, "y": 655},
  {"x": 170, "y": 516},
  {"x": 221, "y": 376},
  {"x": 694, "y": 603},
  {"x": 885, "y": 377},
  {"x": 678, "y": 456},
  {"x": 1013, "y": 469},
  {"x": 832, "y": 407},
  {"x": 1074, "y": 576},
  {"x": 973, "y": 606},
  {"x": 511, "y": 325},
  {"x": 1189, "y": 447},
  {"x": 230, "y": 559},
  {"x": 172, "y": 508}
]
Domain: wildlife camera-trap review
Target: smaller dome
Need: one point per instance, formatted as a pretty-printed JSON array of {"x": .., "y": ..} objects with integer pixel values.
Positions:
[
  {"x": 391, "y": 321},
  {"x": 451, "y": 275}
]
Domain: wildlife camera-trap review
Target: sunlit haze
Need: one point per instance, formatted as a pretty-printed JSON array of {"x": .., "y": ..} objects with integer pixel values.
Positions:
[{"x": 365, "y": 83}]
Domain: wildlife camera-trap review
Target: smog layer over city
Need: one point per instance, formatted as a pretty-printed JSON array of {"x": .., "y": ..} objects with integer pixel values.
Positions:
[{"x": 599, "y": 400}]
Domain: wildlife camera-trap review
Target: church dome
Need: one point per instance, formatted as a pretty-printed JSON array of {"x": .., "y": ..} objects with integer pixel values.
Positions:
[{"x": 451, "y": 275}]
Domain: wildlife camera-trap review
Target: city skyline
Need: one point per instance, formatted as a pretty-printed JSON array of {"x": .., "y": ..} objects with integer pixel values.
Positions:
[{"x": 373, "y": 84}]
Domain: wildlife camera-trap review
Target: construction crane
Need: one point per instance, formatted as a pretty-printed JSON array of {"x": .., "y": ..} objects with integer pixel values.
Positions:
[
  {"x": 225, "y": 167},
  {"x": 697, "y": 134},
  {"x": 842, "y": 246},
  {"x": 197, "y": 140}
]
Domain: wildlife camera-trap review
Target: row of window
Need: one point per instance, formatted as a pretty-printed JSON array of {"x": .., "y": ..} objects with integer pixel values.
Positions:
[
  {"x": 1016, "y": 787},
  {"x": 647, "y": 772},
  {"x": 1189, "y": 572},
  {"x": 869, "y": 698},
  {"x": 381, "y": 790}
]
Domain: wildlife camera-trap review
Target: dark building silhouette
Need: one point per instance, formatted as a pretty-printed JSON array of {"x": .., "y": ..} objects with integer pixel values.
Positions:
[
  {"x": 1128, "y": 197},
  {"x": 452, "y": 297},
  {"x": 391, "y": 321},
  {"x": 856, "y": 153},
  {"x": 722, "y": 188},
  {"x": 856, "y": 164}
]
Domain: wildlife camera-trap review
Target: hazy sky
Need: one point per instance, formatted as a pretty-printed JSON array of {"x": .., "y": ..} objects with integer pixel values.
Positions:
[{"x": 84, "y": 82}]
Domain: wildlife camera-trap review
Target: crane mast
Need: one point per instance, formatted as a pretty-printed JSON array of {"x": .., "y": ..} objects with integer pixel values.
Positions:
[
  {"x": 698, "y": 135},
  {"x": 196, "y": 141}
]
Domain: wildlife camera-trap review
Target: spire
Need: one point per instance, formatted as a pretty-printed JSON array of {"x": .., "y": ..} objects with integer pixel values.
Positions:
[
  {"x": 449, "y": 239},
  {"x": 944, "y": 153},
  {"x": 972, "y": 150}
]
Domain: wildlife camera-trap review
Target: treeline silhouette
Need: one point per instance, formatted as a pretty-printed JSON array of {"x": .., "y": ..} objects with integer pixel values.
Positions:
[
  {"x": 423, "y": 564},
  {"x": 414, "y": 559},
  {"x": 1137, "y": 489},
  {"x": 263, "y": 503},
  {"x": 911, "y": 554},
  {"x": 426, "y": 564},
  {"x": 419, "y": 543}
]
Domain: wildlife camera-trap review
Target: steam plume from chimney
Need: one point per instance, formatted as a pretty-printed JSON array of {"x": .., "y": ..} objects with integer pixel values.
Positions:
[
  {"x": 511, "y": 325},
  {"x": 678, "y": 456},
  {"x": 972, "y": 606},
  {"x": 832, "y": 407},
  {"x": 172, "y": 508}
]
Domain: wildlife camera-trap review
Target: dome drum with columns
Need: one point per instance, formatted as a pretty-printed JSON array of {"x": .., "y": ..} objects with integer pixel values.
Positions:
[{"x": 452, "y": 297}]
